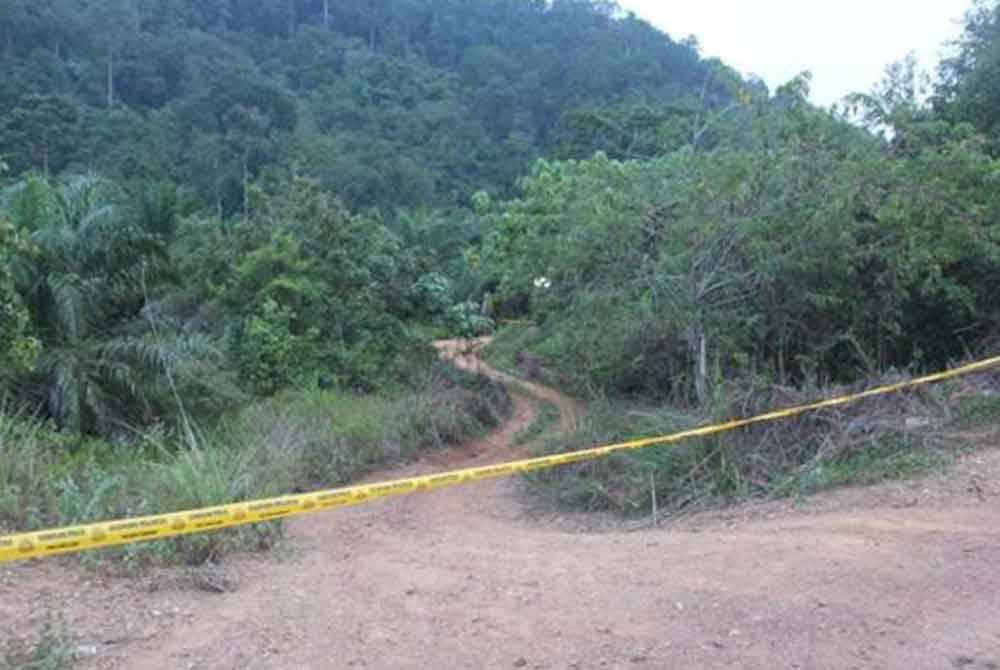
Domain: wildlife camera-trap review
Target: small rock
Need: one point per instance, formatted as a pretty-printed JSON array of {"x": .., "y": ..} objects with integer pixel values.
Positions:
[
  {"x": 521, "y": 662},
  {"x": 86, "y": 650}
]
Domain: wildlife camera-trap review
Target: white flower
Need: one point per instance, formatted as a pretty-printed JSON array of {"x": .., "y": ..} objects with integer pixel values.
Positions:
[{"x": 543, "y": 282}]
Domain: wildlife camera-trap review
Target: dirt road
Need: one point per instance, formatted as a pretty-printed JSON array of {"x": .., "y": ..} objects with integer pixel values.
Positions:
[{"x": 897, "y": 576}]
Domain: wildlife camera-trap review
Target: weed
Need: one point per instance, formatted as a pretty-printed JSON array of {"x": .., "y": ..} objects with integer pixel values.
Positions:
[{"x": 52, "y": 651}]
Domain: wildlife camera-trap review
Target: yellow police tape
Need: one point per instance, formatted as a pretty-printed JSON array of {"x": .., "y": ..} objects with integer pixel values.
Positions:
[{"x": 112, "y": 533}]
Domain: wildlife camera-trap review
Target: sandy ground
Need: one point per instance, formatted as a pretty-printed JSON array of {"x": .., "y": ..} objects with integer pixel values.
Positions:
[{"x": 905, "y": 575}]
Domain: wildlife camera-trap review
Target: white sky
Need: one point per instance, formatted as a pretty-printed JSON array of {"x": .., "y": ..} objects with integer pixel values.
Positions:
[{"x": 845, "y": 43}]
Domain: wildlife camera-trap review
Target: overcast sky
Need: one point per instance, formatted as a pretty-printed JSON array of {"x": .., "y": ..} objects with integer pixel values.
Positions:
[{"x": 845, "y": 43}]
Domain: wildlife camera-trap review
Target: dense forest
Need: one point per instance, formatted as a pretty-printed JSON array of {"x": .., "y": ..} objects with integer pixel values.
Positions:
[
  {"x": 207, "y": 203},
  {"x": 388, "y": 104}
]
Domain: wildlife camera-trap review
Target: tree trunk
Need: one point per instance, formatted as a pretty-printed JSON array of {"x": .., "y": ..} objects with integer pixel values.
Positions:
[
  {"x": 246, "y": 186},
  {"x": 699, "y": 346},
  {"x": 217, "y": 184},
  {"x": 702, "y": 367},
  {"x": 111, "y": 77},
  {"x": 781, "y": 361}
]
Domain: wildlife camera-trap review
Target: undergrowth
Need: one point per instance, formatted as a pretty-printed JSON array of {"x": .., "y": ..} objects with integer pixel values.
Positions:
[
  {"x": 509, "y": 342},
  {"x": 298, "y": 441},
  {"x": 890, "y": 437}
]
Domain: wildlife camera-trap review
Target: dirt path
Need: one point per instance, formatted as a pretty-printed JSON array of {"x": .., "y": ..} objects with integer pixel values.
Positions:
[{"x": 899, "y": 576}]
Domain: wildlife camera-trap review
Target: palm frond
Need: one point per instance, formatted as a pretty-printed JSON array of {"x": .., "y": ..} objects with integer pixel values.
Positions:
[{"x": 70, "y": 305}]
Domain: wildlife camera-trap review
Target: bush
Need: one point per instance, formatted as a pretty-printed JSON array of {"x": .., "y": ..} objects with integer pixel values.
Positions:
[
  {"x": 449, "y": 407},
  {"x": 465, "y": 320},
  {"x": 431, "y": 294},
  {"x": 267, "y": 353}
]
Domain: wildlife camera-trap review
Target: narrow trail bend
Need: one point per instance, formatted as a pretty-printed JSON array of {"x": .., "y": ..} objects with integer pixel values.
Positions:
[{"x": 898, "y": 576}]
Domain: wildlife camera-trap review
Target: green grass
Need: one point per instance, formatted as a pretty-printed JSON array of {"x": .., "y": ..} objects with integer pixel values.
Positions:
[{"x": 888, "y": 458}]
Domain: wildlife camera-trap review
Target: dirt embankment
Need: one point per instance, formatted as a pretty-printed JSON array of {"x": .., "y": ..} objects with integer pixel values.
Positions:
[{"x": 898, "y": 576}]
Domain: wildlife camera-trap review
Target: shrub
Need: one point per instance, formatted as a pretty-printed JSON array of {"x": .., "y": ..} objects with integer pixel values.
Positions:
[
  {"x": 466, "y": 320},
  {"x": 448, "y": 407},
  {"x": 266, "y": 351},
  {"x": 431, "y": 294}
]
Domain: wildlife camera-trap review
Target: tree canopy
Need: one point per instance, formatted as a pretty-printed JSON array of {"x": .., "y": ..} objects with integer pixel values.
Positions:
[{"x": 389, "y": 103}]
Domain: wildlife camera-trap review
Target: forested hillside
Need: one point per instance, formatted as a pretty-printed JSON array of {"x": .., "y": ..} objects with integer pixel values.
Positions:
[
  {"x": 187, "y": 180},
  {"x": 388, "y": 103}
]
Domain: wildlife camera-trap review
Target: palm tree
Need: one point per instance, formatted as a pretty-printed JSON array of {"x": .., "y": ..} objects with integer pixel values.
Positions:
[{"x": 85, "y": 287}]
